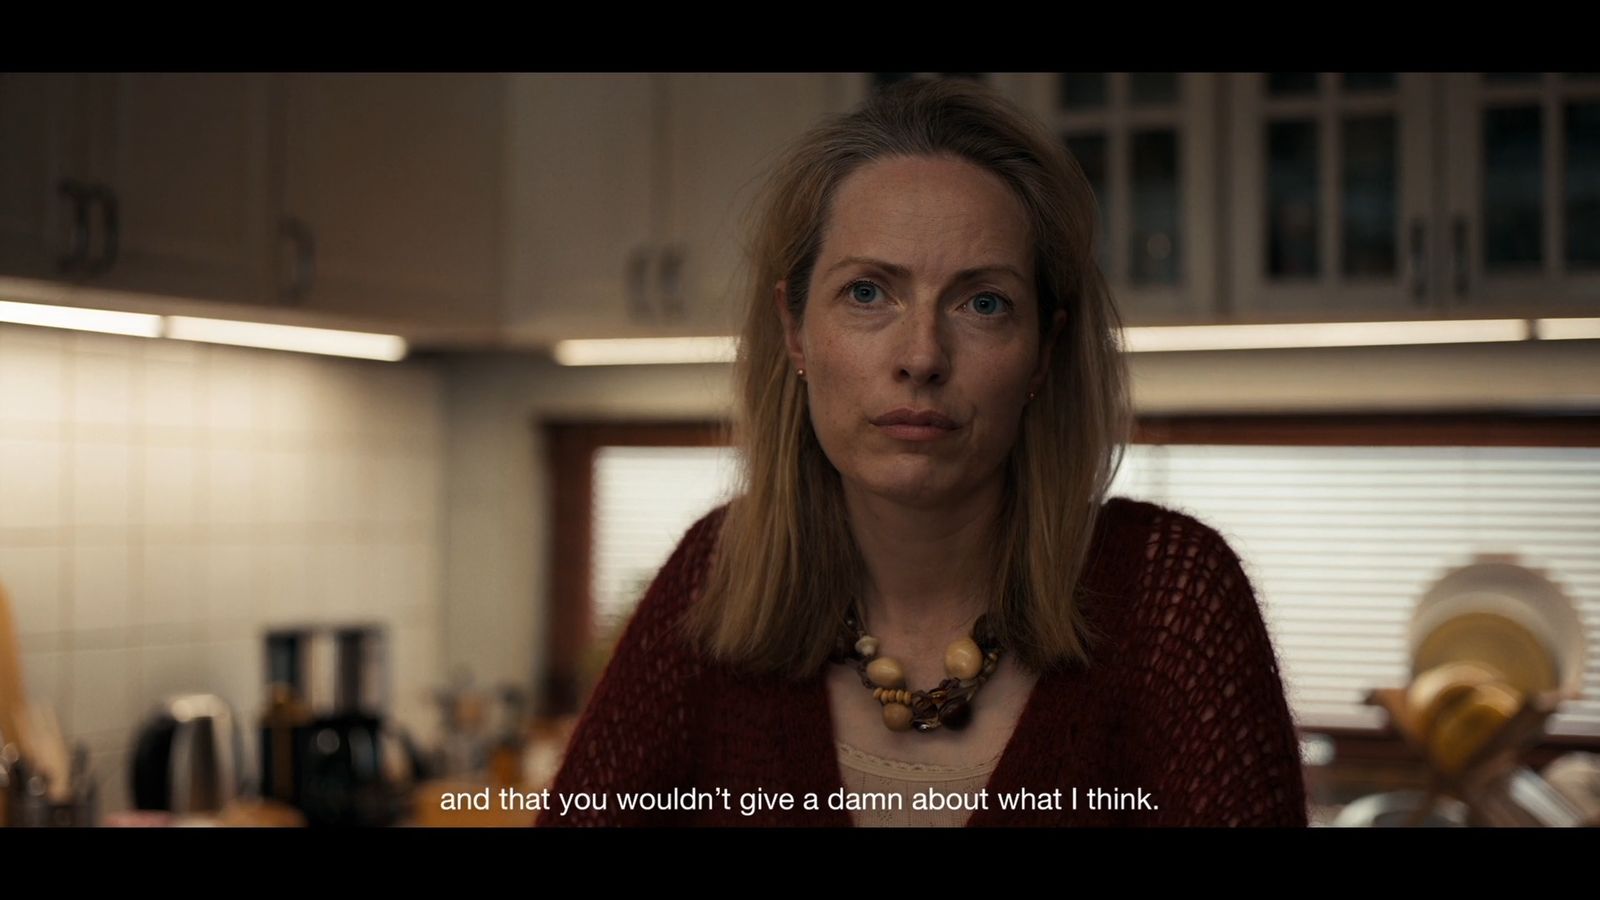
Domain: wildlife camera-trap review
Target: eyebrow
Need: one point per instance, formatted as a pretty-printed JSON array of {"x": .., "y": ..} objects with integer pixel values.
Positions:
[{"x": 903, "y": 272}]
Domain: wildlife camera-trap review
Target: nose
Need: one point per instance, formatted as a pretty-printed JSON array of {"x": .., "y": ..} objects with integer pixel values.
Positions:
[{"x": 924, "y": 356}]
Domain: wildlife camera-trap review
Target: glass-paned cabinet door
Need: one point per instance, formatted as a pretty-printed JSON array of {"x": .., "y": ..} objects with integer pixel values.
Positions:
[
  {"x": 1147, "y": 141},
  {"x": 1523, "y": 194},
  {"x": 1330, "y": 200}
]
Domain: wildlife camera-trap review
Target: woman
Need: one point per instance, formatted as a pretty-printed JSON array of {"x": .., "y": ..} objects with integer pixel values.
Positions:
[{"x": 923, "y": 609}]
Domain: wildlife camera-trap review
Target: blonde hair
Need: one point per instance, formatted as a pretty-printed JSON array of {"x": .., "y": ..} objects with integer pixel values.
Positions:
[{"x": 786, "y": 569}]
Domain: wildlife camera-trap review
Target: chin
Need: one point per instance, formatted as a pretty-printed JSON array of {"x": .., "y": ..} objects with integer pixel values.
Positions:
[{"x": 913, "y": 485}]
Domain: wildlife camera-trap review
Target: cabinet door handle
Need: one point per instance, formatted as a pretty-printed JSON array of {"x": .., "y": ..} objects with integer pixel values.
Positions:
[
  {"x": 1419, "y": 262},
  {"x": 305, "y": 259},
  {"x": 639, "y": 283},
  {"x": 672, "y": 282},
  {"x": 78, "y": 246},
  {"x": 111, "y": 224},
  {"x": 1458, "y": 234}
]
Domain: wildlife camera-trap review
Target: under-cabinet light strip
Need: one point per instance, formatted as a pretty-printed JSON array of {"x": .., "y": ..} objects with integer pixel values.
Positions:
[{"x": 294, "y": 338}]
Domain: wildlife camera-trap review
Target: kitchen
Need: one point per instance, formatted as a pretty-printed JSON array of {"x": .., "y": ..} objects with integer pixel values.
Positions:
[{"x": 418, "y": 540}]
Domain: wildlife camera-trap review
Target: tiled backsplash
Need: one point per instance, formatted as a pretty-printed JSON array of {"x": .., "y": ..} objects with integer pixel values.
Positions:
[{"x": 161, "y": 503}]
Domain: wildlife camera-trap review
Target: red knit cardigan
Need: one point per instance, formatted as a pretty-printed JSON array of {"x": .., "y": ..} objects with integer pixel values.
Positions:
[{"x": 1181, "y": 719}]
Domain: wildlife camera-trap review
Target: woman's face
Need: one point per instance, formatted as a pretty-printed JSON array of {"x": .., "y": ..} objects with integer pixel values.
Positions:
[{"x": 920, "y": 336}]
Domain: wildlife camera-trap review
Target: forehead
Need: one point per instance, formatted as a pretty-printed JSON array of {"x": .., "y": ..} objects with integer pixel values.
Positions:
[{"x": 927, "y": 211}]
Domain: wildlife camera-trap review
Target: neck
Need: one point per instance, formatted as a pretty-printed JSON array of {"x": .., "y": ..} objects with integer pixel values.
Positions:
[{"x": 928, "y": 569}]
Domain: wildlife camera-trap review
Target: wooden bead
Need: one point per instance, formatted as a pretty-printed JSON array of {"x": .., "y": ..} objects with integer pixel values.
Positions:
[
  {"x": 867, "y": 647},
  {"x": 886, "y": 672},
  {"x": 955, "y": 715},
  {"x": 877, "y": 693},
  {"x": 897, "y": 716},
  {"x": 963, "y": 660}
]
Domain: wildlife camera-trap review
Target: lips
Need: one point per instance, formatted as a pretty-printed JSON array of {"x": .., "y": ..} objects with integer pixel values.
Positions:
[{"x": 922, "y": 418}]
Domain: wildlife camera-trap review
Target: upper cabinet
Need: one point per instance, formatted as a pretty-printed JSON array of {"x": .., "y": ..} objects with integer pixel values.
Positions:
[
  {"x": 1521, "y": 180},
  {"x": 480, "y": 209},
  {"x": 148, "y": 183},
  {"x": 180, "y": 166},
  {"x": 722, "y": 136},
  {"x": 581, "y": 173},
  {"x": 392, "y": 196},
  {"x": 1258, "y": 197},
  {"x": 1332, "y": 208},
  {"x": 371, "y": 198},
  {"x": 1397, "y": 195},
  {"x": 630, "y": 195},
  {"x": 1147, "y": 143},
  {"x": 44, "y": 213}
]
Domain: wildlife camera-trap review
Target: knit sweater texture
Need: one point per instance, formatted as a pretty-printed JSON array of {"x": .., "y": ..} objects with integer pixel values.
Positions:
[{"x": 1181, "y": 719}]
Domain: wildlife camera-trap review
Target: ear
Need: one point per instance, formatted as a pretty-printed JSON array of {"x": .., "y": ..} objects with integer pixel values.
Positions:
[
  {"x": 1057, "y": 324},
  {"x": 791, "y": 331}
]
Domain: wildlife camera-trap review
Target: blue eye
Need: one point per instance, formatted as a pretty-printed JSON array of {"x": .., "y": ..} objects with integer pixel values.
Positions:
[
  {"x": 988, "y": 304},
  {"x": 863, "y": 292}
]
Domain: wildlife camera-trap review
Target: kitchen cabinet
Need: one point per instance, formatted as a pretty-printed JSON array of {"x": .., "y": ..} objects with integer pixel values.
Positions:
[
  {"x": 137, "y": 182},
  {"x": 1521, "y": 224},
  {"x": 391, "y": 202},
  {"x": 630, "y": 195},
  {"x": 186, "y": 163},
  {"x": 1406, "y": 195},
  {"x": 40, "y": 147},
  {"x": 371, "y": 198},
  {"x": 1148, "y": 144},
  {"x": 484, "y": 208},
  {"x": 1332, "y": 196},
  {"x": 581, "y": 179}
]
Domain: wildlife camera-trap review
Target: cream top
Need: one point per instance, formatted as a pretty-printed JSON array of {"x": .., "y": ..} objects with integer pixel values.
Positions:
[{"x": 887, "y": 790}]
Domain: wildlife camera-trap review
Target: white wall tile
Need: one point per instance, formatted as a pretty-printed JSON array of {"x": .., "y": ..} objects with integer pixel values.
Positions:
[
  {"x": 52, "y": 340},
  {"x": 286, "y": 582},
  {"x": 171, "y": 393},
  {"x": 30, "y": 483},
  {"x": 101, "y": 576},
  {"x": 159, "y": 503},
  {"x": 340, "y": 399},
  {"x": 420, "y": 497},
  {"x": 167, "y": 583},
  {"x": 234, "y": 670},
  {"x": 104, "y": 344},
  {"x": 230, "y": 485},
  {"x": 32, "y": 579},
  {"x": 391, "y": 487},
  {"x": 32, "y": 381},
  {"x": 414, "y": 585},
  {"x": 190, "y": 354},
  {"x": 102, "y": 486},
  {"x": 168, "y": 669},
  {"x": 102, "y": 691},
  {"x": 286, "y": 476},
  {"x": 347, "y": 578},
  {"x": 344, "y": 487},
  {"x": 102, "y": 388},
  {"x": 169, "y": 486},
  {"x": 286, "y": 394},
  {"x": 45, "y": 681},
  {"x": 231, "y": 583},
  {"x": 230, "y": 390}
]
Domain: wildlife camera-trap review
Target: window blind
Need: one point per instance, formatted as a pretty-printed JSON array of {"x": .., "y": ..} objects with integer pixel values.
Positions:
[{"x": 1340, "y": 544}]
